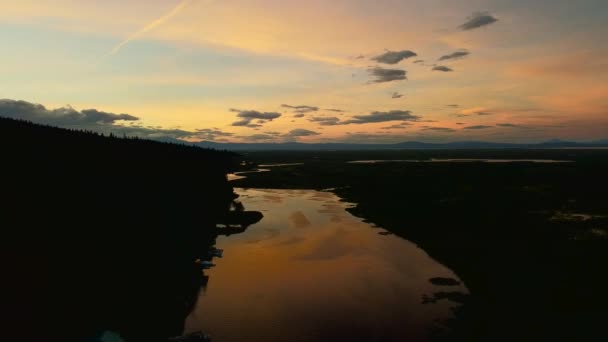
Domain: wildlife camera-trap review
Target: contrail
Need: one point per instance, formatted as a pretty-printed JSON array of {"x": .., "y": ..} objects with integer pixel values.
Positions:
[{"x": 149, "y": 27}]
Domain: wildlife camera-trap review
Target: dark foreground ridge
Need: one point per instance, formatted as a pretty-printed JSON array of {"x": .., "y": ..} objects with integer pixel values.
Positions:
[
  {"x": 101, "y": 233},
  {"x": 529, "y": 240}
]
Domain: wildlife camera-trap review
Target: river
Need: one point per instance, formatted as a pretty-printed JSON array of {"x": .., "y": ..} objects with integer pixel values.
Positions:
[{"x": 311, "y": 271}]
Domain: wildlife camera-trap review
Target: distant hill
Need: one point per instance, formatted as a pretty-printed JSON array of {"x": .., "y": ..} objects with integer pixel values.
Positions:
[{"x": 294, "y": 146}]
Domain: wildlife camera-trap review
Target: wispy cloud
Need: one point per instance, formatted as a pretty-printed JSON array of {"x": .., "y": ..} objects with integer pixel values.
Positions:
[
  {"x": 394, "y": 57},
  {"x": 300, "y": 132},
  {"x": 477, "y": 20},
  {"x": 478, "y": 127},
  {"x": 393, "y": 115},
  {"x": 247, "y": 116},
  {"x": 455, "y": 55},
  {"x": 439, "y": 129},
  {"x": 442, "y": 68},
  {"x": 301, "y": 109},
  {"x": 325, "y": 120},
  {"x": 387, "y": 75},
  {"x": 175, "y": 11}
]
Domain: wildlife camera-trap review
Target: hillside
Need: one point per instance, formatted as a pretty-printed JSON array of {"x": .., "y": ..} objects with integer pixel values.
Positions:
[{"x": 102, "y": 231}]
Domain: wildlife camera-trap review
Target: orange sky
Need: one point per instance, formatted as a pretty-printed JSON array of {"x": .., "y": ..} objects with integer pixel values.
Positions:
[{"x": 512, "y": 71}]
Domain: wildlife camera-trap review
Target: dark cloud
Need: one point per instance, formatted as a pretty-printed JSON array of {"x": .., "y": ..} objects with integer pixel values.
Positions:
[
  {"x": 453, "y": 106},
  {"x": 478, "y": 127},
  {"x": 460, "y": 123},
  {"x": 401, "y": 125},
  {"x": 335, "y": 110},
  {"x": 510, "y": 125},
  {"x": 442, "y": 68},
  {"x": 396, "y": 95},
  {"x": 483, "y": 113},
  {"x": 64, "y": 116},
  {"x": 360, "y": 57},
  {"x": 394, "y": 57},
  {"x": 439, "y": 129},
  {"x": 455, "y": 55},
  {"x": 393, "y": 115},
  {"x": 210, "y": 134},
  {"x": 325, "y": 120},
  {"x": 301, "y": 132},
  {"x": 387, "y": 75},
  {"x": 247, "y": 116},
  {"x": 302, "y": 109},
  {"x": 477, "y": 20},
  {"x": 419, "y": 61},
  {"x": 298, "y": 115},
  {"x": 99, "y": 121},
  {"x": 259, "y": 137}
]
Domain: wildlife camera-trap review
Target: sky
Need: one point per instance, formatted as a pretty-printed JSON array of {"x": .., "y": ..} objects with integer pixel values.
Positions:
[{"x": 311, "y": 71}]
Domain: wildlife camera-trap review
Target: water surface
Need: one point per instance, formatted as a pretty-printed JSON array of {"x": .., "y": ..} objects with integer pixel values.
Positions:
[
  {"x": 310, "y": 271},
  {"x": 459, "y": 160}
]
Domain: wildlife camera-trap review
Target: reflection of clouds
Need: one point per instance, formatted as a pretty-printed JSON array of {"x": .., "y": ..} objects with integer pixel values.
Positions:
[
  {"x": 273, "y": 198},
  {"x": 299, "y": 220},
  {"x": 339, "y": 243},
  {"x": 290, "y": 241},
  {"x": 319, "y": 281},
  {"x": 266, "y": 234}
]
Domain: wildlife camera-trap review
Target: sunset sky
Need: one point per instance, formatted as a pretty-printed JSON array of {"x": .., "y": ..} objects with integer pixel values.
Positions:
[{"x": 310, "y": 71}]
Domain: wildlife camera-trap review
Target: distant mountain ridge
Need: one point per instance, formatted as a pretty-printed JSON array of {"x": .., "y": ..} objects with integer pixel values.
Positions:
[{"x": 396, "y": 146}]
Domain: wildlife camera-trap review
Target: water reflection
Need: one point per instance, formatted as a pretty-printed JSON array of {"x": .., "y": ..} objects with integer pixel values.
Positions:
[
  {"x": 310, "y": 271},
  {"x": 459, "y": 160}
]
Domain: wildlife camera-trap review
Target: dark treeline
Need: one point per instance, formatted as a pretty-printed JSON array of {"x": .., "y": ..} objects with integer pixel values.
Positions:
[
  {"x": 100, "y": 233},
  {"x": 536, "y": 268}
]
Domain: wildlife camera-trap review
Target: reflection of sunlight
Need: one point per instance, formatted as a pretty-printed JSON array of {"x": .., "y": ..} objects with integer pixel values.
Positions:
[{"x": 337, "y": 269}]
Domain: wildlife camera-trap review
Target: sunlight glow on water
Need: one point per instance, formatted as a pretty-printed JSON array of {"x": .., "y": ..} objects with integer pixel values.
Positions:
[{"x": 310, "y": 271}]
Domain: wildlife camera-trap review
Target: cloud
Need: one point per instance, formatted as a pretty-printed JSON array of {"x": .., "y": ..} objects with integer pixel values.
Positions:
[
  {"x": 442, "y": 68},
  {"x": 483, "y": 113},
  {"x": 478, "y": 127},
  {"x": 419, "y": 61},
  {"x": 477, "y": 20},
  {"x": 259, "y": 137},
  {"x": 394, "y": 57},
  {"x": 401, "y": 125},
  {"x": 99, "y": 121},
  {"x": 396, "y": 95},
  {"x": 298, "y": 115},
  {"x": 335, "y": 110},
  {"x": 453, "y": 106},
  {"x": 510, "y": 125},
  {"x": 301, "y": 132},
  {"x": 387, "y": 75},
  {"x": 455, "y": 55},
  {"x": 64, "y": 116},
  {"x": 301, "y": 109},
  {"x": 149, "y": 27},
  {"x": 393, "y": 115},
  {"x": 439, "y": 129},
  {"x": 210, "y": 134},
  {"x": 247, "y": 116},
  {"x": 325, "y": 120}
]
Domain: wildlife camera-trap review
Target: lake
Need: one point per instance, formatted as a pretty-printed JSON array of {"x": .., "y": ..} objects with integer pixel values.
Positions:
[{"x": 310, "y": 271}]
